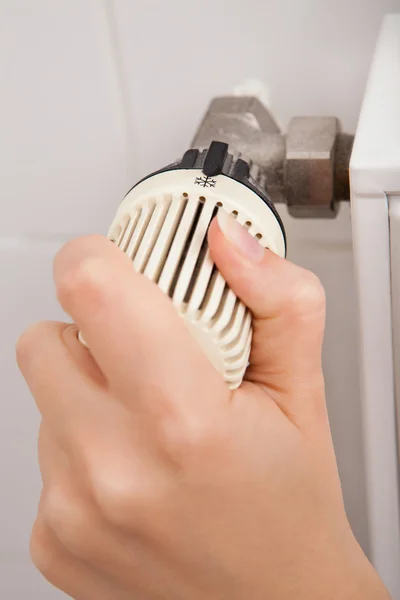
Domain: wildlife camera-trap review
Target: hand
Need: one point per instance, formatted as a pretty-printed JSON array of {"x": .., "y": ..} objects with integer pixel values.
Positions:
[{"x": 160, "y": 483}]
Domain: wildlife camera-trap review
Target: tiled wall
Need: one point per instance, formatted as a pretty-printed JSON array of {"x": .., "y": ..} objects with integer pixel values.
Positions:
[{"x": 94, "y": 93}]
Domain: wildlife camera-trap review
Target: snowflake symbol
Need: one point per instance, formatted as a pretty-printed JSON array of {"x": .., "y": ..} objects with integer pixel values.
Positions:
[{"x": 205, "y": 182}]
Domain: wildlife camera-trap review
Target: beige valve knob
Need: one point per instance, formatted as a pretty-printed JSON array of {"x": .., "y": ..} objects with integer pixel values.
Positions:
[{"x": 162, "y": 226}]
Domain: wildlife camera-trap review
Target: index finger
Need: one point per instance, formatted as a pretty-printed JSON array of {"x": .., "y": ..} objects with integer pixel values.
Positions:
[{"x": 133, "y": 331}]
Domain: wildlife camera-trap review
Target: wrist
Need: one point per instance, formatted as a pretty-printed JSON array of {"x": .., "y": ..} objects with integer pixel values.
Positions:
[
  {"x": 367, "y": 585},
  {"x": 360, "y": 581},
  {"x": 344, "y": 573}
]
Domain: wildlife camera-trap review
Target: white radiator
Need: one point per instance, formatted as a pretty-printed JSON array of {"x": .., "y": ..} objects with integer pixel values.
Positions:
[{"x": 375, "y": 201}]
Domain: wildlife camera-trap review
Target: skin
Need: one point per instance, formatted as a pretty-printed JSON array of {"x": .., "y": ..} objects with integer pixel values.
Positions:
[{"x": 159, "y": 482}]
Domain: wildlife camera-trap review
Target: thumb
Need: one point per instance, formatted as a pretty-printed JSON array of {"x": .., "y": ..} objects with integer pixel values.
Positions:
[{"x": 288, "y": 306}]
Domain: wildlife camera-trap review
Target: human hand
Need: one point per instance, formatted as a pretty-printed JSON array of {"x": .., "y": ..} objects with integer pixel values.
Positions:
[{"x": 160, "y": 483}]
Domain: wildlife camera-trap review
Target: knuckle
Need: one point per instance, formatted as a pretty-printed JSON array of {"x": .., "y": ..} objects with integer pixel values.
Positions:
[
  {"x": 197, "y": 442},
  {"x": 308, "y": 296},
  {"x": 67, "y": 517},
  {"x": 27, "y": 343},
  {"x": 88, "y": 280},
  {"x": 129, "y": 497},
  {"x": 42, "y": 551},
  {"x": 116, "y": 495}
]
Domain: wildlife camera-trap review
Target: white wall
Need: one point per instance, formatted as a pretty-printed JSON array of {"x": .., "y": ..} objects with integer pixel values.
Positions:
[{"x": 94, "y": 93}]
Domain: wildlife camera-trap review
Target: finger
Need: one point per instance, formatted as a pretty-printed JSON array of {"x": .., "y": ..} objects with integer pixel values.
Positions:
[
  {"x": 68, "y": 574},
  {"x": 67, "y": 385},
  {"x": 71, "y": 517},
  {"x": 62, "y": 338},
  {"x": 68, "y": 509},
  {"x": 123, "y": 553},
  {"x": 52, "y": 457},
  {"x": 131, "y": 327},
  {"x": 287, "y": 303},
  {"x": 82, "y": 424}
]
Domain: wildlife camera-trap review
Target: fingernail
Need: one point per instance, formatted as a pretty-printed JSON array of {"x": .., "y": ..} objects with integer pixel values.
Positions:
[{"x": 241, "y": 239}]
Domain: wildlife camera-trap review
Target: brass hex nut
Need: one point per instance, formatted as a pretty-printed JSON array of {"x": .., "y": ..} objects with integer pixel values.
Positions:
[{"x": 309, "y": 171}]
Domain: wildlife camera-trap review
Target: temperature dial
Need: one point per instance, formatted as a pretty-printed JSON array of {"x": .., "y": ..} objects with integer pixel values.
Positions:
[{"x": 162, "y": 226}]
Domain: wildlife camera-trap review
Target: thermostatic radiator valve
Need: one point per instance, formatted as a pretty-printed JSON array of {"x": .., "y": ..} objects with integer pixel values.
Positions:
[{"x": 162, "y": 226}]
